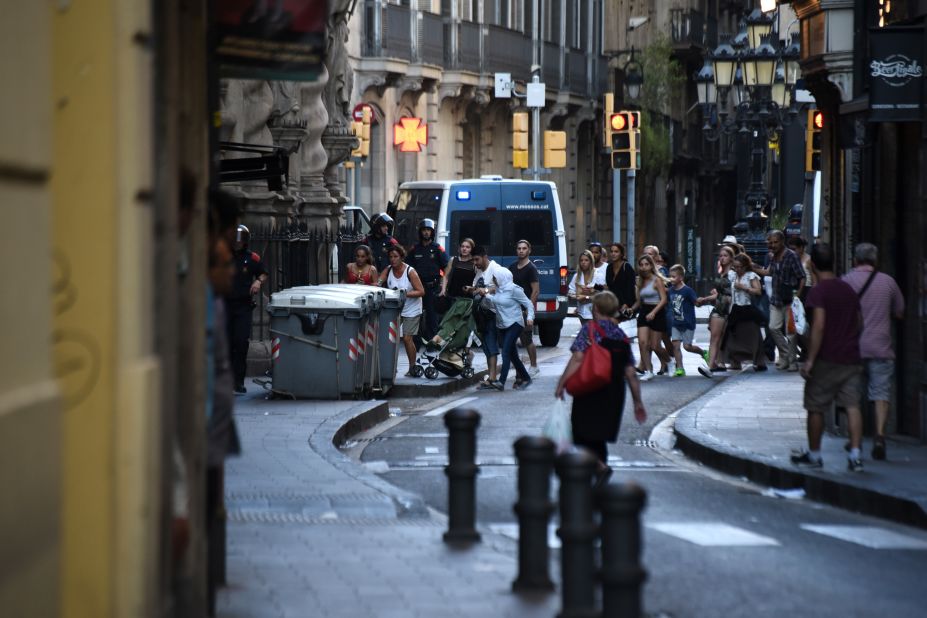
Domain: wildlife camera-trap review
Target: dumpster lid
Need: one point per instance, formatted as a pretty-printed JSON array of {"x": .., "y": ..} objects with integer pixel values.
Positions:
[{"x": 308, "y": 298}]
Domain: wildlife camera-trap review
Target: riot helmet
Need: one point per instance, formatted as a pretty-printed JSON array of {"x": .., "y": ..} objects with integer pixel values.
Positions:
[
  {"x": 427, "y": 224},
  {"x": 380, "y": 220},
  {"x": 242, "y": 236}
]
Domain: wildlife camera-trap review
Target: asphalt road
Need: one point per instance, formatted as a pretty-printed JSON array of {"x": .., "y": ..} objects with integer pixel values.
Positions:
[{"x": 714, "y": 545}]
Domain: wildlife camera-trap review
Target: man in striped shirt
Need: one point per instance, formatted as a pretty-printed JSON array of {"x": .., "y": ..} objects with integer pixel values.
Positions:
[{"x": 880, "y": 300}]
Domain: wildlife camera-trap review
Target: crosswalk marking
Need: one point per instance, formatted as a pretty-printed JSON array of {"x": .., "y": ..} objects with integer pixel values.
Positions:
[
  {"x": 449, "y": 406},
  {"x": 869, "y": 536},
  {"x": 714, "y": 535}
]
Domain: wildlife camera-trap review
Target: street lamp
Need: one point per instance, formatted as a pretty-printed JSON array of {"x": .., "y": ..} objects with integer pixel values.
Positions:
[{"x": 633, "y": 77}]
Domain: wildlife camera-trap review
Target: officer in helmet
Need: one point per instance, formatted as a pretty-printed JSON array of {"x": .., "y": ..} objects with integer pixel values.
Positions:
[
  {"x": 379, "y": 240},
  {"x": 429, "y": 260},
  {"x": 250, "y": 276}
]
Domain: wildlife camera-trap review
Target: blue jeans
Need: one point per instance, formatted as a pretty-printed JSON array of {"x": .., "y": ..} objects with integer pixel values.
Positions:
[{"x": 510, "y": 337}]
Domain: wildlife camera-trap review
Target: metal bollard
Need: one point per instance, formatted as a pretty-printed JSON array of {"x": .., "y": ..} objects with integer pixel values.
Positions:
[
  {"x": 461, "y": 472},
  {"x": 622, "y": 574},
  {"x": 535, "y": 465},
  {"x": 577, "y": 534}
]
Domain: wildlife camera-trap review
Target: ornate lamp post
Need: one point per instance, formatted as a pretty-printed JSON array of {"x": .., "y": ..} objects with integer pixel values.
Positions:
[{"x": 745, "y": 86}]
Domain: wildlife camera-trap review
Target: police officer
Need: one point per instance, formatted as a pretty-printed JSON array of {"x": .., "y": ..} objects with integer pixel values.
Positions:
[
  {"x": 379, "y": 240},
  {"x": 250, "y": 275},
  {"x": 429, "y": 259}
]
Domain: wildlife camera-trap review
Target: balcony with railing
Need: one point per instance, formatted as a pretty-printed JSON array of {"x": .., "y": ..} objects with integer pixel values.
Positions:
[
  {"x": 692, "y": 30},
  {"x": 395, "y": 32}
]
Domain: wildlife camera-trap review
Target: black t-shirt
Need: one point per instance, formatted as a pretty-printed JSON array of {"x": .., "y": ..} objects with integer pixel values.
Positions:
[{"x": 525, "y": 276}]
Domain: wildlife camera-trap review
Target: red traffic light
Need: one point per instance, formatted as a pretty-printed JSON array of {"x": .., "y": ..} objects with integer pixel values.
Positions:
[
  {"x": 818, "y": 120},
  {"x": 620, "y": 122}
]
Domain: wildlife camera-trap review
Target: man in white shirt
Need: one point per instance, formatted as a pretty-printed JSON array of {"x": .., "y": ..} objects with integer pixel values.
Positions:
[{"x": 483, "y": 285}]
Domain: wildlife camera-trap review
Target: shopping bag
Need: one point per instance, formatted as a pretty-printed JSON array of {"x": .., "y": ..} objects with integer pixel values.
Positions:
[
  {"x": 558, "y": 427},
  {"x": 798, "y": 316},
  {"x": 596, "y": 370},
  {"x": 789, "y": 321}
]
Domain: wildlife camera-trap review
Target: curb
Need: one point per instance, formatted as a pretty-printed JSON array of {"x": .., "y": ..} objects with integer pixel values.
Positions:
[
  {"x": 337, "y": 429},
  {"x": 820, "y": 487},
  {"x": 434, "y": 389}
]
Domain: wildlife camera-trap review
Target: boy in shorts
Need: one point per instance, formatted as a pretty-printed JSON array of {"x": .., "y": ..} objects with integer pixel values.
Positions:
[
  {"x": 833, "y": 368},
  {"x": 682, "y": 304}
]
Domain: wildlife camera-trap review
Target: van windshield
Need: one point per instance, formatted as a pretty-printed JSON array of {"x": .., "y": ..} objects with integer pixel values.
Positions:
[
  {"x": 499, "y": 231},
  {"x": 411, "y": 206}
]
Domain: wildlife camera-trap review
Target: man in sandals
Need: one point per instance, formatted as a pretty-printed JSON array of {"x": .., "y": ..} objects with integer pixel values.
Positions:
[{"x": 880, "y": 300}]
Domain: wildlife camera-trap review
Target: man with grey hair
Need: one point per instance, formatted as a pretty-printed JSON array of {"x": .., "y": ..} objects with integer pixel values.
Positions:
[
  {"x": 880, "y": 299},
  {"x": 788, "y": 277}
]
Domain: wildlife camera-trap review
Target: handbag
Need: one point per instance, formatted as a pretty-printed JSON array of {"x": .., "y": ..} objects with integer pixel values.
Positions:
[{"x": 596, "y": 370}]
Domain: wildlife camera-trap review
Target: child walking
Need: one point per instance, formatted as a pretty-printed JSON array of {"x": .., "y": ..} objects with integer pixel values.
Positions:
[{"x": 682, "y": 301}]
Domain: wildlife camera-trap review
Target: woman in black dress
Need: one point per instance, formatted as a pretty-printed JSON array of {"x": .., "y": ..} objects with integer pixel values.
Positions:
[
  {"x": 459, "y": 272},
  {"x": 619, "y": 277},
  {"x": 596, "y": 416}
]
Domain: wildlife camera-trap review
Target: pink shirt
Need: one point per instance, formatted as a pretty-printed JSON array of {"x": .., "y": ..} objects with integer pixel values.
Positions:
[{"x": 881, "y": 302}]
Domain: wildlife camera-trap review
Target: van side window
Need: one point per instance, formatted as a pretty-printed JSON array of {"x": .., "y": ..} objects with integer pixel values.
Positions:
[{"x": 534, "y": 226}]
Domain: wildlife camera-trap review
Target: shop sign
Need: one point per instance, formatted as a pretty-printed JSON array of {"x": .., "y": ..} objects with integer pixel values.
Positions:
[
  {"x": 410, "y": 134},
  {"x": 896, "y": 74},
  {"x": 282, "y": 40}
]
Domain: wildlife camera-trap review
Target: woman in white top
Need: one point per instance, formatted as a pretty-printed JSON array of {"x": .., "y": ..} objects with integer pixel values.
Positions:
[
  {"x": 742, "y": 340},
  {"x": 401, "y": 276},
  {"x": 582, "y": 286}
]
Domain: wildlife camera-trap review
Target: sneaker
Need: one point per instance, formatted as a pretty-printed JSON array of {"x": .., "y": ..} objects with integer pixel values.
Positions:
[
  {"x": 639, "y": 371},
  {"x": 855, "y": 465},
  {"x": 534, "y": 371},
  {"x": 878, "y": 448},
  {"x": 705, "y": 356},
  {"x": 705, "y": 371},
  {"x": 665, "y": 371},
  {"x": 805, "y": 460},
  {"x": 679, "y": 373},
  {"x": 520, "y": 386},
  {"x": 646, "y": 376}
]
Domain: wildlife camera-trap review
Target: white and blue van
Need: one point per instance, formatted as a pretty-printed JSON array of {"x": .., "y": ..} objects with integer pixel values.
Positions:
[{"x": 496, "y": 213}]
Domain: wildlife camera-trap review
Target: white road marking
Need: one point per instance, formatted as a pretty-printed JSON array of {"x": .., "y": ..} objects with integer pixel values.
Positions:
[
  {"x": 432, "y": 450},
  {"x": 869, "y": 536},
  {"x": 714, "y": 535},
  {"x": 449, "y": 406}
]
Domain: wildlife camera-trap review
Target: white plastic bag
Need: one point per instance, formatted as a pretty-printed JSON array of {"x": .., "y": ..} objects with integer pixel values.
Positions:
[
  {"x": 798, "y": 316},
  {"x": 558, "y": 427}
]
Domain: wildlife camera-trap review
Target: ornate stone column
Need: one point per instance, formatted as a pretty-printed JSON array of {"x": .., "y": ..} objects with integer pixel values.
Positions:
[{"x": 337, "y": 138}]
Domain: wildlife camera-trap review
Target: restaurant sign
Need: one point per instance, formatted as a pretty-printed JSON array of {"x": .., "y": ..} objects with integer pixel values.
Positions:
[
  {"x": 279, "y": 40},
  {"x": 896, "y": 74}
]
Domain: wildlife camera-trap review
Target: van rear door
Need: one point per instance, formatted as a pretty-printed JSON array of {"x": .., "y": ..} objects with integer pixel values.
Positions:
[
  {"x": 474, "y": 213},
  {"x": 528, "y": 214}
]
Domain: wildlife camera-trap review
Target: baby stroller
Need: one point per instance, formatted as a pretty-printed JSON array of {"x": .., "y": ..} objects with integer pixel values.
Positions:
[{"x": 448, "y": 352}]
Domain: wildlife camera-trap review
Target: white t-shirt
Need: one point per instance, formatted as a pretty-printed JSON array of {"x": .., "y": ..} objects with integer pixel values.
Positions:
[
  {"x": 742, "y": 297},
  {"x": 486, "y": 275},
  {"x": 413, "y": 306},
  {"x": 584, "y": 307}
]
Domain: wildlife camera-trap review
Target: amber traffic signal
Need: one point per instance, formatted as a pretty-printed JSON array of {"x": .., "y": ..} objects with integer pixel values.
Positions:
[
  {"x": 361, "y": 131},
  {"x": 625, "y": 130},
  {"x": 813, "y": 140},
  {"x": 554, "y": 149}
]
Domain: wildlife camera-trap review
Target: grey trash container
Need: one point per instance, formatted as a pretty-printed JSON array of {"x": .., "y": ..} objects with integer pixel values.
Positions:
[
  {"x": 315, "y": 342},
  {"x": 371, "y": 338},
  {"x": 388, "y": 344}
]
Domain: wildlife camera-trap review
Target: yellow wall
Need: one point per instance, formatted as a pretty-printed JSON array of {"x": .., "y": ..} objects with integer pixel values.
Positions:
[
  {"x": 30, "y": 413},
  {"x": 102, "y": 232}
]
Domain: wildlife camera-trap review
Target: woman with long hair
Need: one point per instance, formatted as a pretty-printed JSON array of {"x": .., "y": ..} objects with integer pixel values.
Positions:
[
  {"x": 596, "y": 416},
  {"x": 720, "y": 297},
  {"x": 582, "y": 285},
  {"x": 361, "y": 270},
  {"x": 650, "y": 304},
  {"x": 401, "y": 276},
  {"x": 742, "y": 340},
  {"x": 619, "y": 278},
  {"x": 459, "y": 272}
]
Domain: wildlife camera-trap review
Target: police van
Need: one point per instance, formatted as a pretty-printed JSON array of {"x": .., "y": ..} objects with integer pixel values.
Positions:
[{"x": 496, "y": 213}]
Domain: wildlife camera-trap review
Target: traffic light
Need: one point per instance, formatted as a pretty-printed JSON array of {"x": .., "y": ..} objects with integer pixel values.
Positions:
[
  {"x": 520, "y": 140},
  {"x": 813, "y": 140},
  {"x": 609, "y": 107},
  {"x": 362, "y": 133},
  {"x": 554, "y": 149},
  {"x": 625, "y": 128}
]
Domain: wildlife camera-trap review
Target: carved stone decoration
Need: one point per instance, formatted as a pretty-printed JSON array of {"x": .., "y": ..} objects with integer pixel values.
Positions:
[
  {"x": 368, "y": 80},
  {"x": 288, "y": 127},
  {"x": 844, "y": 82},
  {"x": 337, "y": 138},
  {"x": 313, "y": 157}
]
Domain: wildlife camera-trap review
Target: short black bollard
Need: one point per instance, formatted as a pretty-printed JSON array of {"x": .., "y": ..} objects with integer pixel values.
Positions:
[
  {"x": 461, "y": 472},
  {"x": 622, "y": 574},
  {"x": 577, "y": 534},
  {"x": 535, "y": 465}
]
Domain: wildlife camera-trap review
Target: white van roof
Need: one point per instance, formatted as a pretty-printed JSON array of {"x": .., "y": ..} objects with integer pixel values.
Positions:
[{"x": 485, "y": 180}]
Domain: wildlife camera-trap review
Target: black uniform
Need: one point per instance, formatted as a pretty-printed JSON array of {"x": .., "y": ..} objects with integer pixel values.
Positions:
[
  {"x": 379, "y": 245},
  {"x": 429, "y": 260},
  {"x": 248, "y": 267}
]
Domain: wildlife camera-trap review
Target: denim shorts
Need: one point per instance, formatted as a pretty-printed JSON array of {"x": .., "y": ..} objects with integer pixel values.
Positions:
[
  {"x": 491, "y": 339},
  {"x": 879, "y": 372},
  {"x": 682, "y": 334}
]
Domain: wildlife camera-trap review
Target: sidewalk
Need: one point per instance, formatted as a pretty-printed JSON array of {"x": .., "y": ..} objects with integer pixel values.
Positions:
[
  {"x": 312, "y": 533},
  {"x": 748, "y": 424}
]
